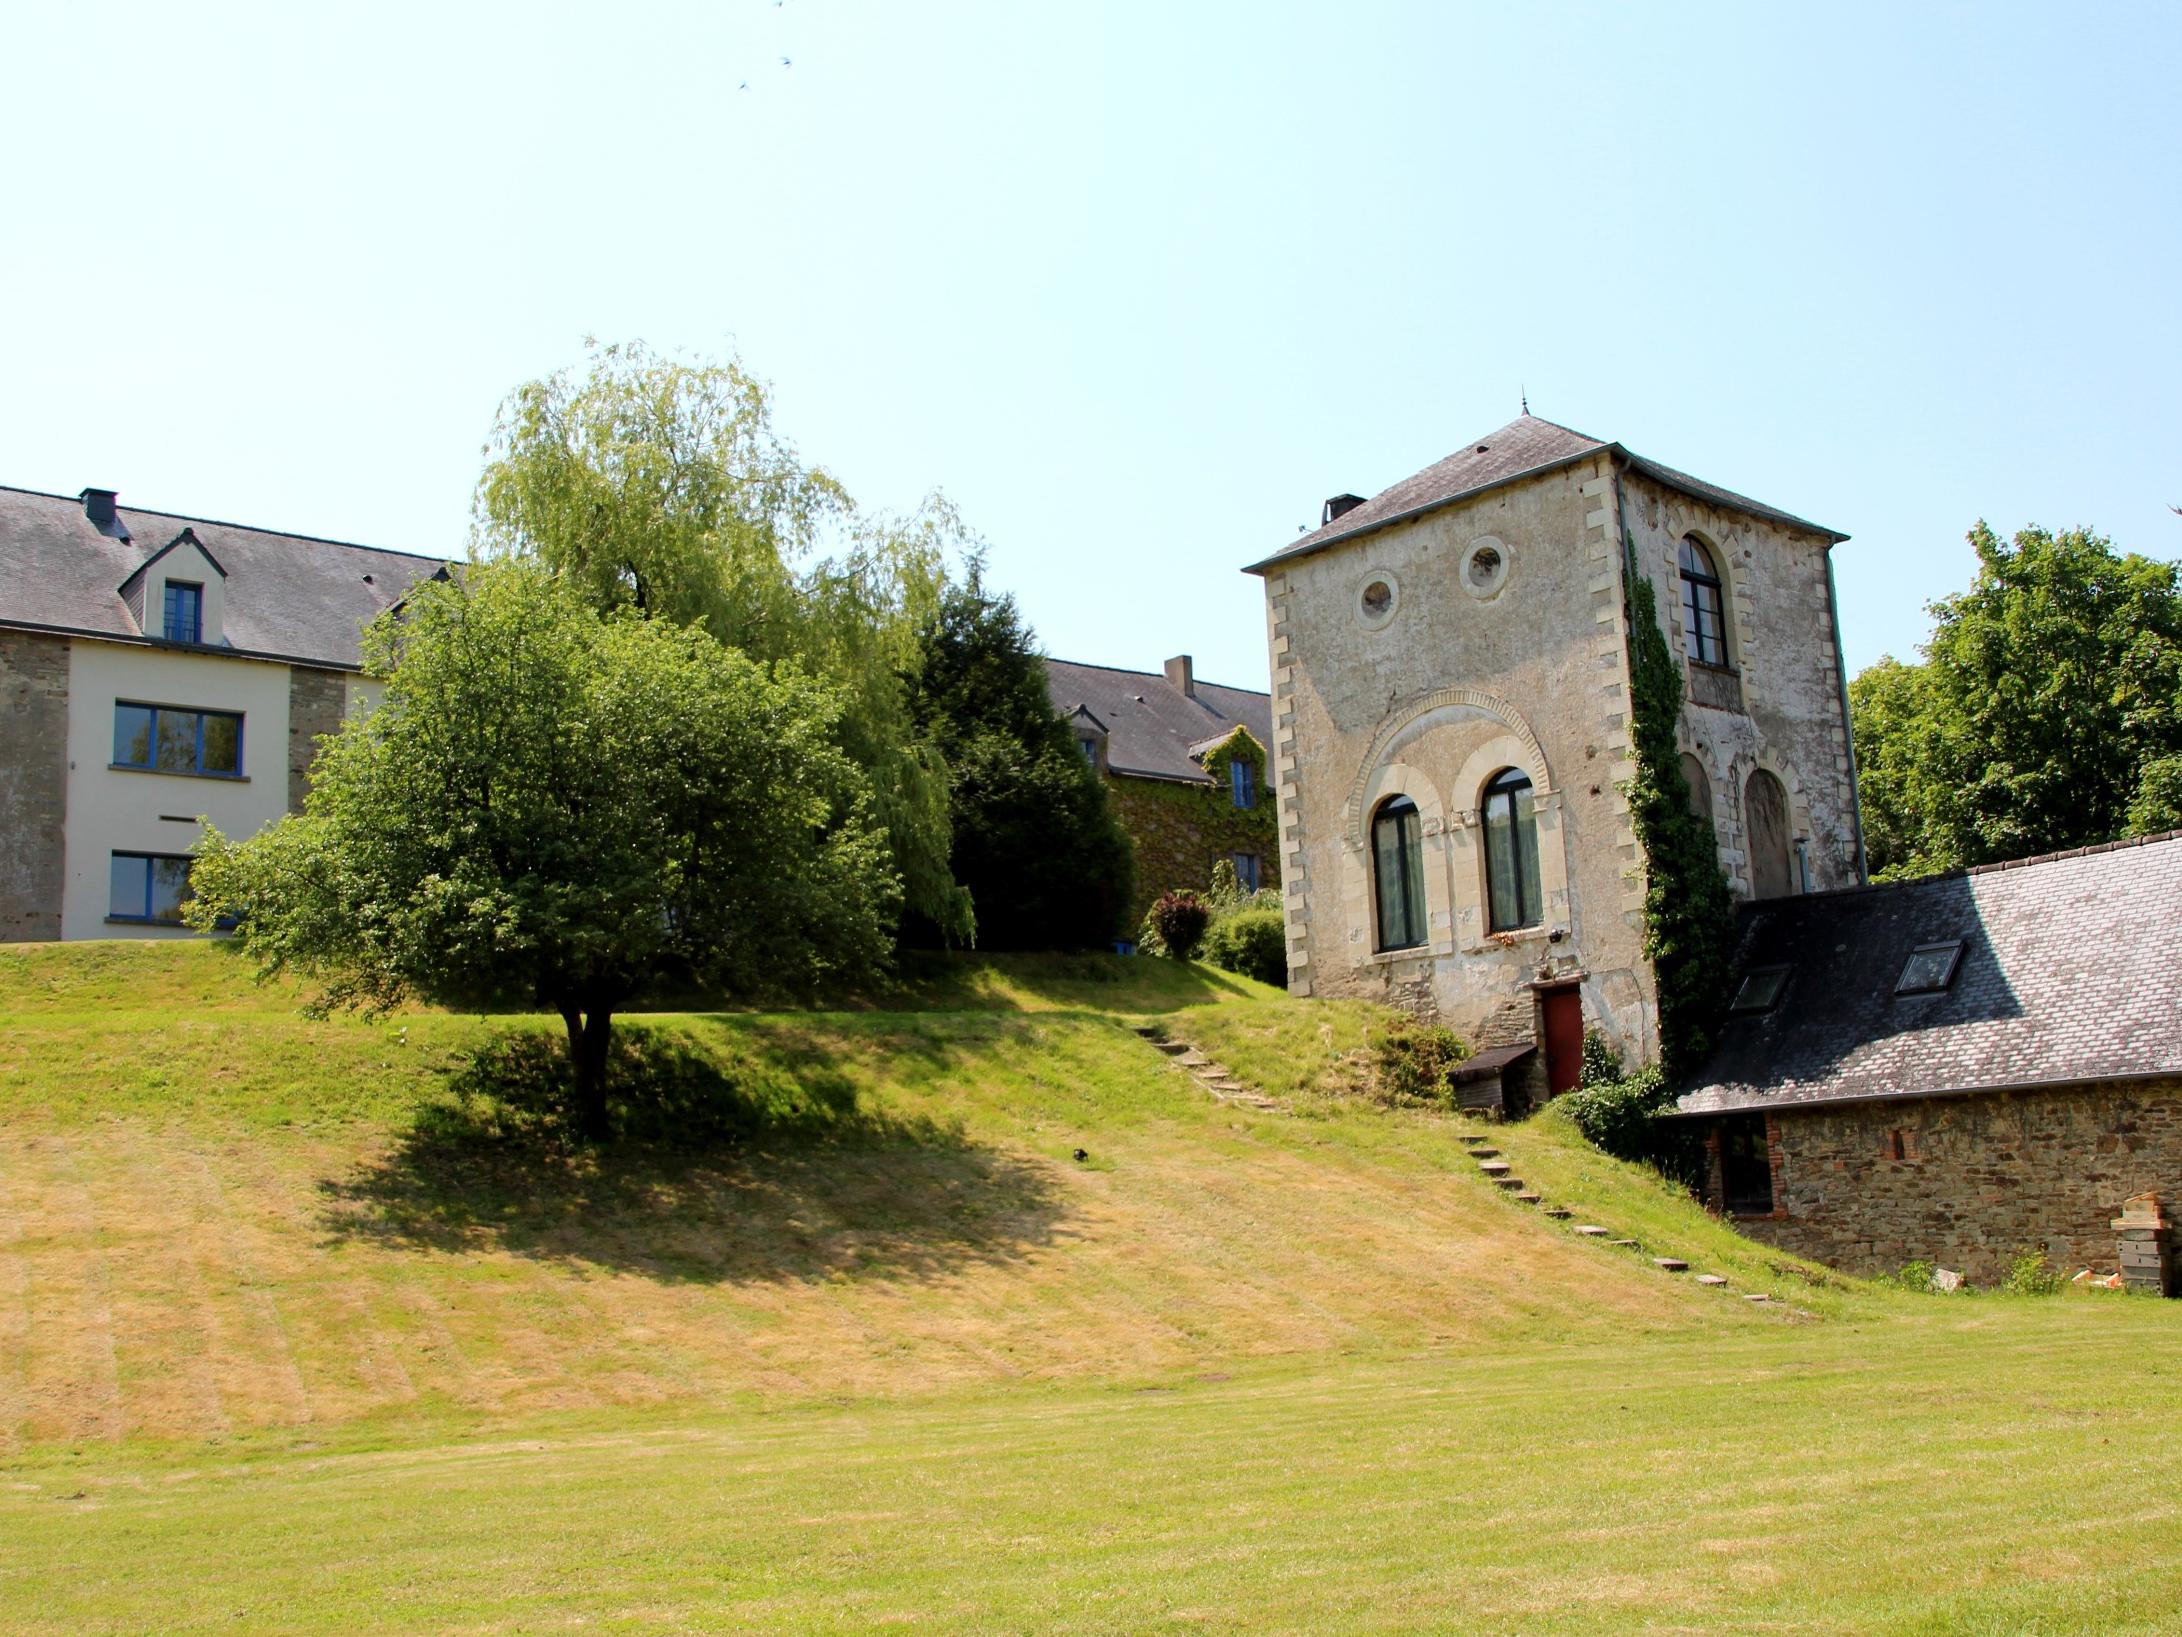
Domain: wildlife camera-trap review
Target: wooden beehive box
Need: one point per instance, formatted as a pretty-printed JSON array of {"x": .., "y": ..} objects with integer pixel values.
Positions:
[{"x": 2146, "y": 1246}]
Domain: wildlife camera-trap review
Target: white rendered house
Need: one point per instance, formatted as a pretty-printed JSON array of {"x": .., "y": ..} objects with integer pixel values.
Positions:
[{"x": 157, "y": 671}]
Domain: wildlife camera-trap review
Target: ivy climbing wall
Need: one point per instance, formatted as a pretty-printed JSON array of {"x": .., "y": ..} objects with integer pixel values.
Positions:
[{"x": 1182, "y": 830}]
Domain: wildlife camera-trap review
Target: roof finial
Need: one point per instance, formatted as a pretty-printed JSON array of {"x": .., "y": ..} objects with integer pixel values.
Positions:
[{"x": 1526, "y": 399}]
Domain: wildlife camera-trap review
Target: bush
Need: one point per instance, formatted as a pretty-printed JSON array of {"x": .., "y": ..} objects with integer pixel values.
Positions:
[
  {"x": 1252, "y": 942},
  {"x": 1916, "y": 1276},
  {"x": 1416, "y": 1062},
  {"x": 1601, "y": 1063},
  {"x": 1627, "y": 1119},
  {"x": 1179, "y": 919},
  {"x": 2030, "y": 1274}
]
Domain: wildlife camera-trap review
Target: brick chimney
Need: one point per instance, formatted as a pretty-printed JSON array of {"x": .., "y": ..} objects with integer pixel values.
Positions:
[
  {"x": 1181, "y": 676},
  {"x": 98, "y": 506}
]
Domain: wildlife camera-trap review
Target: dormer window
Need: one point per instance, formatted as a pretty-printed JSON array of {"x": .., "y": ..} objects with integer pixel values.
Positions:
[
  {"x": 1242, "y": 782},
  {"x": 1930, "y": 968},
  {"x": 185, "y": 612},
  {"x": 1760, "y": 989}
]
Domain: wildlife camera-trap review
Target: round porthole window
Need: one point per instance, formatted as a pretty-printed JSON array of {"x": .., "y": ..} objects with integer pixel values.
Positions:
[
  {"x": 1377, "y": 597},
  {"x": 1484, "y": 567}
]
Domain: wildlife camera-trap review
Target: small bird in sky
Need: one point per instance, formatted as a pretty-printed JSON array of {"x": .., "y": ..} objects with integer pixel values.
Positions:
[{"x": 785, "y": 63}]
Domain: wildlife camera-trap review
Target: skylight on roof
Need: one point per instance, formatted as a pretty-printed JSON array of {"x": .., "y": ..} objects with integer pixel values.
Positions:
[
  {"x": 1760, "y": 991},
  {"x": 1930, "y": 968}
]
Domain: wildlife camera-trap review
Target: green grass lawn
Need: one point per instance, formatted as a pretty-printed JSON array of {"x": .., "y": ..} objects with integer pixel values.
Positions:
[{"x": 303, "y": 1327}]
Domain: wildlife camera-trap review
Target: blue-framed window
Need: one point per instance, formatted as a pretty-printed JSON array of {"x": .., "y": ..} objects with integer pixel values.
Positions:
[
  {"x": 1242, "y": 782},
  {"x": 185, "y": 613},
  {"x": 163, "y": 739},
  {"x": 1246, "y": 871},
  {"x": 148, "y": 887}
]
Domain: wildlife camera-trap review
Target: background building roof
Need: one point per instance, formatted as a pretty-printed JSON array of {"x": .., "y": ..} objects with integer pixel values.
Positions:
[
  {"x": 1524, "y": 447},
  {"x": 1151, "y": 725},
  {"x": 287, "y": 596},
  {"x": 2068, "y": 972}
]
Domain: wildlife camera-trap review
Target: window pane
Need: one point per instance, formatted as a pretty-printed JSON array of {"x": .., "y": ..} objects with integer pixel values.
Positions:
[
  {"x": 1526, "y": 860},
  {"x": 1511, "y": 854},
  {"x": 178, "y": 741},
  {"x": 125, "y": 893},
  {"x": 1500, "y": 860},
  {"x": 1393, "y": 908},
  {"x": 133, "y": 735},
  {"x": 170, "y": 886},
  {"x": 223, "y": 743},
  {"x": 185, "y": 612},
  {"x": 1398, "y": 857},
  {"x": 1413, "y": 873}
]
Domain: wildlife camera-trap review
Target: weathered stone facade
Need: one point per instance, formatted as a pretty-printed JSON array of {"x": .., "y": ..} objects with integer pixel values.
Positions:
[
  {"x": 1966, "y": 1182},
  {"x": 1425, "y": 655},
  {"x": 1182, "y": 830},
  {"x": 317, "y": 700},
  {"x": 33, "y": 784}
]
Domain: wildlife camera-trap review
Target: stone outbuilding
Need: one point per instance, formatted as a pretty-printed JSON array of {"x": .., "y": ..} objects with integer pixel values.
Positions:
[
  {"x": 1184, "y": 763},
  {"x": 1451, "y": 738},
  {"x": 1955, "y": 1069}
]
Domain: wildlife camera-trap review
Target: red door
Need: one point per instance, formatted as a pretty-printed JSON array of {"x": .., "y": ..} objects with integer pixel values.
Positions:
[{"x": 1564, "y": 1038}]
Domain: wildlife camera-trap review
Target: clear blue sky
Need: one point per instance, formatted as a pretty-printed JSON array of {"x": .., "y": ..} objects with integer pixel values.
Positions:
[{"x": 1137, "y": 285}]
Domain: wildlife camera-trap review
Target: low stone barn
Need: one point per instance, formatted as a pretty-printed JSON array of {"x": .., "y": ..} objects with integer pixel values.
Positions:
[{"x": 1957, "y": 1068}]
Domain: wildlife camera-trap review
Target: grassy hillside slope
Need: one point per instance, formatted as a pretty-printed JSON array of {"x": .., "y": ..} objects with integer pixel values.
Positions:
[
  {"x": 313, "y": 1327},
  {"x": 219, "y": 1217}
]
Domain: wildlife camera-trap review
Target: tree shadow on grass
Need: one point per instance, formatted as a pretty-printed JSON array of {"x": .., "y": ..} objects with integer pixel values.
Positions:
[{"x": 760, "y": 1165}]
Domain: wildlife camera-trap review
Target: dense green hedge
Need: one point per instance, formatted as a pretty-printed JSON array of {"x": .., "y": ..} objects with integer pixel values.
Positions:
[{"x": 1252, "y": 942}]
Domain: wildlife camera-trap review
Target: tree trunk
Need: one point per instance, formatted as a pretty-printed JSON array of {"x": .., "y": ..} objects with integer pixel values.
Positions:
[{"x": 588, "y": 1040}]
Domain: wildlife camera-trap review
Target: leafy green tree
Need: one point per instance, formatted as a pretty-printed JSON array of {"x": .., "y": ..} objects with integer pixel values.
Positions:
[
  {"x": 565, "y": 807},
  {"x": 2049, "y": 694},
  {"x": 662, "y": 486},
  {"x": 1047, "y": 863}
]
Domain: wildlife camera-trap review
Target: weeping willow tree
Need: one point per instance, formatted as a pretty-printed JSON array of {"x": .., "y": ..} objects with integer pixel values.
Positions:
[{"x": 661, "y": 485}]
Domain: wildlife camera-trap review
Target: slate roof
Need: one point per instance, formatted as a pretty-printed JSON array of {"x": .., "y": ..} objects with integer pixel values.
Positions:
[
  {"x": 1151, "y": 727},
  {"x": 287, "y": 596},
  {"x": 1525, "y": 447},
  {"x": 2069, "y": 973}
]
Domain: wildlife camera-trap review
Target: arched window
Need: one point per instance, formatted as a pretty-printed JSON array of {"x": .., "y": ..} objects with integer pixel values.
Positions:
[
  {"x": 1693, "y": 775},
  {"x": 1511, "y": 853},
  {"x": 1765, "y": 823},
  {"x": 1704, "y": 620},
  {"x": 1397, "y": 851}
]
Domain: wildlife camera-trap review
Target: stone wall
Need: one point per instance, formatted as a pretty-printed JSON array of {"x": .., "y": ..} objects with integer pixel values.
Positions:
[
  {"x": 1182, "y": 830},
  {"x": 33, "y": 784},
  {"x": 317, "y": 701},
  {"x": 1978, "y": 1178},
  {"x": 1779, "y": 709}
]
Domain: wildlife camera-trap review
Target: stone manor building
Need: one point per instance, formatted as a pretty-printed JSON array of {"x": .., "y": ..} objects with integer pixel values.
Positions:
[{"x": 1450, "y": 668}]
